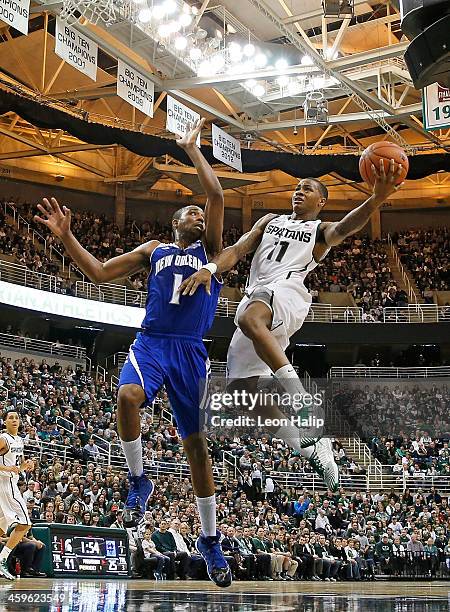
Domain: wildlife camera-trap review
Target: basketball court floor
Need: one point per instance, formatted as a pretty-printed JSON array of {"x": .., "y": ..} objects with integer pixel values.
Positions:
[{"x": 197, "y": 596}]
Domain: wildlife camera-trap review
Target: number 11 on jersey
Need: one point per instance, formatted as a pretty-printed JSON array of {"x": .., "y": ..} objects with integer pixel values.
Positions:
[{"x": 283, "y": 244}]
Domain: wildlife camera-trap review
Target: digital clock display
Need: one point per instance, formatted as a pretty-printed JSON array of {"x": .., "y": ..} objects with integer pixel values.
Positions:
[{"x": 86, "y": 554}]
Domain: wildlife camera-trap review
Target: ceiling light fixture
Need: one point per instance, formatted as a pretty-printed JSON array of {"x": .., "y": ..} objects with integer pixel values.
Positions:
[{"x": 259, "y": 90}]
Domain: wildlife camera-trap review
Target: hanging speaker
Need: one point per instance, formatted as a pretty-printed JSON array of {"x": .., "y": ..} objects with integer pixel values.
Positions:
[{"x": 427, "y": 24}]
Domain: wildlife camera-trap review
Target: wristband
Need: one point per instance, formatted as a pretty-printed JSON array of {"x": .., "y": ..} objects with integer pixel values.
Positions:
[{"x": 211, "y": 267}]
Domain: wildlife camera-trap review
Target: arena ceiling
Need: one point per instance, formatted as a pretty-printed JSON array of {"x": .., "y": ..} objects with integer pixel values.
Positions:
[{"x": 372, "y": 95}]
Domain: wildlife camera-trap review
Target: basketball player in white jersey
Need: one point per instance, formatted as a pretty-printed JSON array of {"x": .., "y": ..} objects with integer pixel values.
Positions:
[
  {"x": 13, "y": 509},
  {"x": 276, "y": 302}
]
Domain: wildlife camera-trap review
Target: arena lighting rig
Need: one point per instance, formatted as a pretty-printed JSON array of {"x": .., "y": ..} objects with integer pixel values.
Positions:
[
  {"x": 231, "y": 49},
  {"x": 344, "y": 9}
]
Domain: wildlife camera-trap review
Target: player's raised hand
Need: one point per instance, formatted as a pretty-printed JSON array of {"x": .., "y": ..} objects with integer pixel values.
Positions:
[
  {"x": 56, "y": 219},
  {"x": 386, "y": 183},
  {"x": 190, "y": 137},
  {"x": 192, "y": 283}
]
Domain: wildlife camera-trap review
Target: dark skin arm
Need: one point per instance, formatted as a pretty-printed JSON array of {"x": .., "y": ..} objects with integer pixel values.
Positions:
[
  {"x": 58, "y": 221},
  {"x": 214, "y": 208},
  {"x": 333, "y": 233},
  {"x": 228, "y": 258}
]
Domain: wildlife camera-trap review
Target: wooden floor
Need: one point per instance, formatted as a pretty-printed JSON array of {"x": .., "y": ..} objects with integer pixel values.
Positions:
[{"x": 202, "y": 596}]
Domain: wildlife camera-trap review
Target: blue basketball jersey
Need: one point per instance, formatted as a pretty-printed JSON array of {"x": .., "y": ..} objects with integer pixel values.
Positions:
[{"x": 168, "y": 312}]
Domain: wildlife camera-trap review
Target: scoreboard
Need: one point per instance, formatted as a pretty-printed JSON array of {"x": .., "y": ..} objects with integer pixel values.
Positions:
[{"x": 84, "y": 551}]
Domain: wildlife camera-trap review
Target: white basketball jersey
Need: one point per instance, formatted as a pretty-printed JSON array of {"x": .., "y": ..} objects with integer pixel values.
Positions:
[
  {"x": 285, "y": 251},
  {"x": 13, "y": 456}
]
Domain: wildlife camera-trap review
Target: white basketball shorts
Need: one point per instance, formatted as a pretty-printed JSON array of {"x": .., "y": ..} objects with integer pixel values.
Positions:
[
  {"x": 290, "y": 302},
  {"x": 13, "y": 508}
]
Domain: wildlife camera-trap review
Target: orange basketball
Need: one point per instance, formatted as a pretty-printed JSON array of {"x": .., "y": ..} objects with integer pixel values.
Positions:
[{"x": 382, "y": 150}]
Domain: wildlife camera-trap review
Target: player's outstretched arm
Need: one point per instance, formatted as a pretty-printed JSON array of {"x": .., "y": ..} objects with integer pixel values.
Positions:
[
  {"x": 337, "y": 232},
  {"x": 228, "y": 258},
  {"x": 58, "y": 221},
  {"x": 214, "y": 209}
]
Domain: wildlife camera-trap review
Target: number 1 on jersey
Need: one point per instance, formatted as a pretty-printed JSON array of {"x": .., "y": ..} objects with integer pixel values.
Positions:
[
  {"x": 177, "y": 280},
  {"x": 283, "y": 244}
]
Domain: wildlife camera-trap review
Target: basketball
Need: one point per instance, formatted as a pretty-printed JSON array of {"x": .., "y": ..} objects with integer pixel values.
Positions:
[{"x": 382, "y": 150}]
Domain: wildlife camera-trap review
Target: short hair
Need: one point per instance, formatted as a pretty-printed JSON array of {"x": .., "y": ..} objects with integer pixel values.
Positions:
[
  {"x": 321, "y": 186},
  {"x": 179, "y": 213}
]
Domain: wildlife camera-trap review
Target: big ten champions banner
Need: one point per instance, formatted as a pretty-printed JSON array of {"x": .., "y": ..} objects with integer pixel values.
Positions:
[
  {"x": 179, "y": 117},
  {"x": 15, "y": 13},
  {"x": 76, "y": 49},
  {"x": 135, "y": 88},
  {"x": 436, "y": 106},
  {"x": 226, "y": 148}
]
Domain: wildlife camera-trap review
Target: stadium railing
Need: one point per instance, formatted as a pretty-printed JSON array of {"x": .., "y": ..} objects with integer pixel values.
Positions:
[
  {"x": 41, "y": 346},
  {"x": 389, "y": 372},
  {"x": 115, "y": 459},
  {"x": 49, "y": 249},
  {"x": 326, "y": 313},
  {"x": 387, "y": 479},
  {"x": 416, "y": 313},
  {"x": 119, "y": 294},
  {"x": 110, "y": 455},
  {"x": 412, "y": 296}
]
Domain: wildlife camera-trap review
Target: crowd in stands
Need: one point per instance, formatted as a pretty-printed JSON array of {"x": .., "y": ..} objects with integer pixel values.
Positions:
[
  {"x": 425, "y": 253},
  {"x": 359, "y": 266},
  {"x": 409, "y": 428},
  {"x": 274, "y": 528}
]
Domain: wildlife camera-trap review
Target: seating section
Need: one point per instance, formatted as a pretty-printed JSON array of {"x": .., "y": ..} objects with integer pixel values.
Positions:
[
  {"x": 425, "y": 253},
  {"x": 299, "y": 533},
  {"x": 358, "y": 267}
]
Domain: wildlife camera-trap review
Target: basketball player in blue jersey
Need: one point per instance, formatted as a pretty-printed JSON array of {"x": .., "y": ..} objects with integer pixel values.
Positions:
[
  {"x": 286, "y": 248},
  {"x": 169, "y": 350}
]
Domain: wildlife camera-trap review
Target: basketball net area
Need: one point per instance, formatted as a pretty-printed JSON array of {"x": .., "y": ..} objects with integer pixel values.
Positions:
[{"x": 94, "y": 11}]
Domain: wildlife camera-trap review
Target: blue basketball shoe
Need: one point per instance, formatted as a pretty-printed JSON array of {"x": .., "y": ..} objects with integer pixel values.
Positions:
[
  {"x": 218, "y": 569},
  {"x": 141, "y": 489}
]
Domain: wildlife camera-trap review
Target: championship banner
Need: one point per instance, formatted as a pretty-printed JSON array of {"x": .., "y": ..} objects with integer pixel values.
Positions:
[
  {"x": 436, "y": 107},
  {"x": 226, "y": 148},
  {"x": 76, "y": 49},
  {"x": 179, "y": 117},
  {"x": 15, "y": 13},
  {"x": 135, "y": 88}
]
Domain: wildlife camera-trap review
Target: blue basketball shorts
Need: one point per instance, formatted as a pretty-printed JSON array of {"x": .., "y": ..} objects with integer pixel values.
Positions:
[{"x": 182, "y": 365}]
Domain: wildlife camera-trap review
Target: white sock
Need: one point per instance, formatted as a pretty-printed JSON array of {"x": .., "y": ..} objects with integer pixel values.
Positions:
[
  {"x": 207, "y": 510},
  {"x": 4, "y": 553},
  {"x": 133, "y": 454},
  {"x": 289, "y": 380},
  {"x": 291, "y": 434}
]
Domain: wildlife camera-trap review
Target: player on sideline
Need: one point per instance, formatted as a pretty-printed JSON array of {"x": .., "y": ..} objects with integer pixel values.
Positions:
[
  {"x": 170, "y": 348},
  {"x": 276, "y": 301},
  {"x": 13, "y": 509}
]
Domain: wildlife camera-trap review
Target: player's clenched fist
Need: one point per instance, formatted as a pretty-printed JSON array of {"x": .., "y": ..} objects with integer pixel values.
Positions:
[{"x": 28, "y": 465}]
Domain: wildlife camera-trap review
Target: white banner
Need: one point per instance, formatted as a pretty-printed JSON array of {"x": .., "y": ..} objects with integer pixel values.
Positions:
[
  {"x": 76, "y": 49},
  {"x": 15, "y": 13},
  {"x": 135, "y": 88},
  {"x": 226, "y": 148},
  {"x": 436, "y": 107},
  {"x": 68, "y": 306},
  {"x": 179, "y": 117}
]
